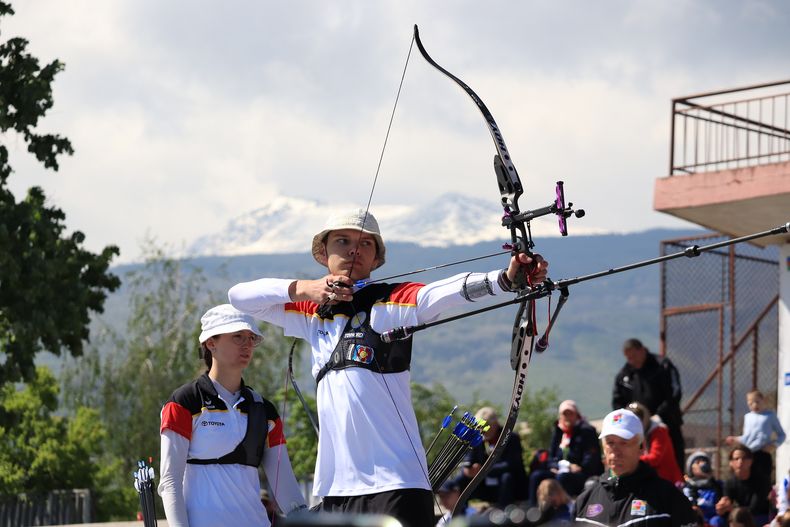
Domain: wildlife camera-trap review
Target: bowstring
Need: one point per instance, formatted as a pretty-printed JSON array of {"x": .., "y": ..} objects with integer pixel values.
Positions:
[{"x": 356, "y": 252}]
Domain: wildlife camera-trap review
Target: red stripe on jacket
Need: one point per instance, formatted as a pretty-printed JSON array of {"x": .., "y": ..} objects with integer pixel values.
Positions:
[
  {"x": 406, "y": 293},
  {"x": 276, "y": 436},
  {"x": 176, "y": 418},
  {"x": 305, "y": 307}
]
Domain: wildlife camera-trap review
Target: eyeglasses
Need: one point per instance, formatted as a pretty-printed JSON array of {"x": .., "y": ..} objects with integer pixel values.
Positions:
[{"x": 241, "y": 340}]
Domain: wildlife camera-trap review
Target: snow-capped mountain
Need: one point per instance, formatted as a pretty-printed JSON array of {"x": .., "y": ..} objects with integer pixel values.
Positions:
[{"x": 287, "y": 225}]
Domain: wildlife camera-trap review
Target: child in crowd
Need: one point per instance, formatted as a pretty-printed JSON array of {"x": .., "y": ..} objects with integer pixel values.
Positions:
[
  {"x": 700, "y": 487},
  {"x": 759, "y": 427},
  {"x": 554, "y": 503}
]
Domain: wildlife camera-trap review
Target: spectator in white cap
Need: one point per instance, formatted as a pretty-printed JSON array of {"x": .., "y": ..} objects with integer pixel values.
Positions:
[
  {"x": 215, "y": 433},
  {"x": 370, "y": 455},
  {"x": 631, "y": 492}
]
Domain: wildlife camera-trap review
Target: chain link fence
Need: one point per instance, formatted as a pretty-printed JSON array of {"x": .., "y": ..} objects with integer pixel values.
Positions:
[{"x": 719, "y": 325}]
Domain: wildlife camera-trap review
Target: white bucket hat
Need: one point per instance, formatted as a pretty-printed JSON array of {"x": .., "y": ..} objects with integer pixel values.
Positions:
[
  {"x": 357, "y": 219},
  {"x": 622, "y": 423},
  {"x": 225, "y": 319}
]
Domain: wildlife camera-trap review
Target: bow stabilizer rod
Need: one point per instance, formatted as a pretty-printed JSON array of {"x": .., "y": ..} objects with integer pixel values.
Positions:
[
  {"x": 546, "y": 288},
  {"x": 689, "y": 252}
]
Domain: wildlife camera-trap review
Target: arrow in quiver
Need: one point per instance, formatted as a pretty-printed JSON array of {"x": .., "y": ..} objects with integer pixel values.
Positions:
[{"x": 144, "y": 484}]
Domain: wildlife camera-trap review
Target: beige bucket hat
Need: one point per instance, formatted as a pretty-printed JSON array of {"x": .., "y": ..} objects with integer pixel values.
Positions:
[{"x": 357, "y": 219}]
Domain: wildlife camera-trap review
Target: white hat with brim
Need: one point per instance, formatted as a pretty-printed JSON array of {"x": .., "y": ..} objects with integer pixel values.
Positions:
[
  {"x": 622, "y": 423},
  {"x": 359, "y": 220},
  {"x": 225, "y": 319}
]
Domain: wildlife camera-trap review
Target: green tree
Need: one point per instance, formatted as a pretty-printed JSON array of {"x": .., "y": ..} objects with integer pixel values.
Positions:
[
  {"x": 431, "y": 405},
  {"x": 128, "y": 377},
  {"x": 48, "y": 281},
  {"x": 301, "y": 437},
  {"x": 539, "y": 410},
  {"x": 41, "y": 451}
]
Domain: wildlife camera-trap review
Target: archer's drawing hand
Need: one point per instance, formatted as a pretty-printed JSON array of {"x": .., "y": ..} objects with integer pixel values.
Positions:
[{"x": 330, "y": 289}]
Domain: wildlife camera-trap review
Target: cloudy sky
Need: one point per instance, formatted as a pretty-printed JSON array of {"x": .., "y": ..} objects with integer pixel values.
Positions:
[{"x": 186, "y": 114}]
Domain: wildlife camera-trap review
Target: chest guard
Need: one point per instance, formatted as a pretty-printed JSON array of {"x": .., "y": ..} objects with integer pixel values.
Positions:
[
  {"x": 250, "y": 450},
  {"x": 359, "y": 345}
]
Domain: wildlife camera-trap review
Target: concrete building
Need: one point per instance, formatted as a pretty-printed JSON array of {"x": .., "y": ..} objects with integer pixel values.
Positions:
[{"x": 729, "y": 172}]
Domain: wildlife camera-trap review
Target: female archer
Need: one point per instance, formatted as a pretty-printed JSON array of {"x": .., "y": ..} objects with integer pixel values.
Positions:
[{"x": 216, "y": 431}]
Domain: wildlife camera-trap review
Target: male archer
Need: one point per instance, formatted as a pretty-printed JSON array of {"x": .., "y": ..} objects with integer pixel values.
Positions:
[{"x": 370, "y": 457}]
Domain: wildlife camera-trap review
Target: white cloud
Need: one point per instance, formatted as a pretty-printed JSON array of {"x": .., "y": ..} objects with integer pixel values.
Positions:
[{"x": 187, "y": 114}]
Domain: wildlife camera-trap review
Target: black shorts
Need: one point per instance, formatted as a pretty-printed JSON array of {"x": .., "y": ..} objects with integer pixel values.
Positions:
[{"x": 412, "y": 507}]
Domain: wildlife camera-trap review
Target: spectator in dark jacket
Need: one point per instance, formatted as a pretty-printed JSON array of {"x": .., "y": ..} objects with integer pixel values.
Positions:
[
  {"x": 745, "y": 488},
  {"x": 655, "y": 383},
  {"x": 574, "y": 454},
  {"x": 631, "y": 493}
]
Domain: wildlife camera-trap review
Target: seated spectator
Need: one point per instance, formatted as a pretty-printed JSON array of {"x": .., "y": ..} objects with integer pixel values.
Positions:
[
  {"x": 554, "y": 503},
  {"x": 783, "y": 496},
  {"x": 573, "y": 456},
  {"x": 700, "y": 487},
  {"x": 744, "y": 489},
  {"x": 448, "y": 495},
  {"x": 781, "y": 500},
  {"x": 658, "y": 450},
  {"x": 630, "y": 493},
  {"x": 741, "y": 517},
  {"x": 506, "y": 482},
  {"x": 781, "y": 520}
]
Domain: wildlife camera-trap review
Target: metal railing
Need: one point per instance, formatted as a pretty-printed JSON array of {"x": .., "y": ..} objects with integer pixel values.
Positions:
[{"x": 730, "y": 129}]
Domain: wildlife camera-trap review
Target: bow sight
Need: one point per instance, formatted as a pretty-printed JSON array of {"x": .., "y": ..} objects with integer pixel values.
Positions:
[{"x": 511, "y": 218}]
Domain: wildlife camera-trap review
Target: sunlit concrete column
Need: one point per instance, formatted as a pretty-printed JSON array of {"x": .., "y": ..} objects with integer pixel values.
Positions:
[{"x": 783, "y": 391}]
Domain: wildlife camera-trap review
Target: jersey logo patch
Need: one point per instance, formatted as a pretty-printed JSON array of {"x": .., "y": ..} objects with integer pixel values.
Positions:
[
  {"x": 594, "y": 510},
  {"x": 362, "y": 354},
  {"x": 638, "y": 508}
]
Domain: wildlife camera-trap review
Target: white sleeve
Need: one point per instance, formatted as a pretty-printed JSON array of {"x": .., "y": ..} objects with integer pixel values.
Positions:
[
  {"x": 263, "y": 299},
  {"x": 282, "y": 481},
  {"x": 175, "y": 448},
  {"x": 437, "y": 297}
]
